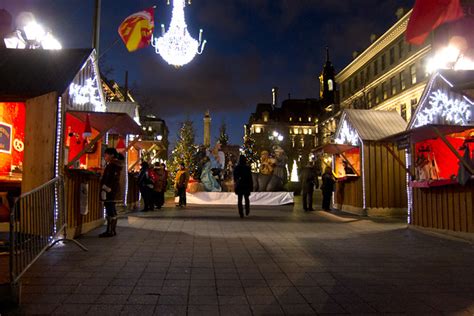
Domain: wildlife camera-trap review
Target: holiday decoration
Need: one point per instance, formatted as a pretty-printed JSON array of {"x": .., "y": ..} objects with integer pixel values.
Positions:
[
  {"x": 223, "y": 137},
  {"x": 87, "y": 128},
  {"x": 347, "y": 135},
  {"x": 294, "y": 173},
  {"x": 248, "y": 150},
  {"x": 184, "y": 150},
  {"x": 176, "y": 46},
  {"x": 456, "y": 111}
]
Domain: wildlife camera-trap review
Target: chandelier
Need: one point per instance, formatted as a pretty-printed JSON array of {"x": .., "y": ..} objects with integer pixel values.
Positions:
[{"x": 176, "y": 46}]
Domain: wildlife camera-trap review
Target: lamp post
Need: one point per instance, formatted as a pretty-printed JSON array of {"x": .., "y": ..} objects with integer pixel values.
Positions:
[{"x": 32, "y": 36}]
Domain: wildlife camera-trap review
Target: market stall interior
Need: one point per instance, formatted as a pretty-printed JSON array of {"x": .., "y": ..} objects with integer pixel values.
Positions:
[
  {"x": 440, "y": 143},
  {"x": 371, "y": 176}
]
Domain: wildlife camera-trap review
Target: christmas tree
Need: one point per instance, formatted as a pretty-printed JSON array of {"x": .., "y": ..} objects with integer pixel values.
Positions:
[
  {"x": 184, "y": 150},
  {"x": 248, "y": 150},
  {"x": 223, "y": 137}
]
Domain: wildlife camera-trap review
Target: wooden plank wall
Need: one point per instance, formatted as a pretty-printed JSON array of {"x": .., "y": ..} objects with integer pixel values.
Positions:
[
  {"x": 349, "y": 193},
  {"x": 385, "y": 177},
  {"x": 447, "y": 207},
  {"x": 40, "y": 141},
  {"x": 72, "y": 182}
]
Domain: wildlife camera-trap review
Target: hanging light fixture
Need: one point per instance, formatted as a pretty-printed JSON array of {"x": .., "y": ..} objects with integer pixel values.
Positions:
[{"x": 176, "y": 46}]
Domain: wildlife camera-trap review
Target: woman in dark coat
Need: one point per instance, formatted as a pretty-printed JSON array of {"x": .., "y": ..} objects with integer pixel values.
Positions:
[
  {"x": 110, "y": 187},
  {"x": 145, "y": 185},
  {"x": 243, "y": 184},
  {"x": 327, "y": 187}
]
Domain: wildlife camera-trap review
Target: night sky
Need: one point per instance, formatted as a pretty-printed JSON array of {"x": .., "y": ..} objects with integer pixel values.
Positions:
[{"x": 252, "y": 46}]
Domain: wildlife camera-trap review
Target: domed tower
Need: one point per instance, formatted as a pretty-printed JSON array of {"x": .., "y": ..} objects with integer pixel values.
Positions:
[{"x": 327, "y": 84}]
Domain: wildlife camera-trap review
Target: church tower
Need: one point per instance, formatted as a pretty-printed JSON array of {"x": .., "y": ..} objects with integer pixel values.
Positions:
[
  {"x": 207, "y": 129},
  {"x": 327, "y": 84}
]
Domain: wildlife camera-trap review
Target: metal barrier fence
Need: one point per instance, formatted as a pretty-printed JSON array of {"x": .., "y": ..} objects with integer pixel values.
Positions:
[{"x": 37, "y": 221}]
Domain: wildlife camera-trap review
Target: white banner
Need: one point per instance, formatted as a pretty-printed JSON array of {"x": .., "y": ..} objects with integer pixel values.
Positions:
[{"x": 230, "y": 198}]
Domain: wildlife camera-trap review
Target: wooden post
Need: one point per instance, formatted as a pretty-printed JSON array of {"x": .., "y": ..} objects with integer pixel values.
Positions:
[{"x": 450, "y": 146}]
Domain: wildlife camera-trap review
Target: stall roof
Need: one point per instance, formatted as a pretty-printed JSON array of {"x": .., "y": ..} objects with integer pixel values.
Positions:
[
  {"x": 419, "y": 134},
  {"x": 334, "y": 148},
  {"x": 375, "y": 125},
  {"x": 28, "y": 73},
  {"x": 123, "y": 123}
]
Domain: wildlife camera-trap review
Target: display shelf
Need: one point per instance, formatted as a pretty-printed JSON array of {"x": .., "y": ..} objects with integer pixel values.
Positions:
[{"x": 432, "y": 183}]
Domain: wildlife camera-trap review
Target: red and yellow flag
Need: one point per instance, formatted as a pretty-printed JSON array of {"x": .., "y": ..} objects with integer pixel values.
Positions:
[{"x": 136, "y": 30}]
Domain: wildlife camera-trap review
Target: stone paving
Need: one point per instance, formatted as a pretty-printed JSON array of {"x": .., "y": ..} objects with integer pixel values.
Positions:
[{"x": 278, "y": 261}]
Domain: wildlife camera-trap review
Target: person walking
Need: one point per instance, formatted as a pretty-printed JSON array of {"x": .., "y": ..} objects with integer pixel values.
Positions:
[
  {"x": 327, "y": 187},
  {"x": 110, "y": 184},
  {"x": 145, "y": 185},
  {"x": 243, "y": 185},
  {"x": 181, "y": 183},
  {"x": 308, "y": 180}
]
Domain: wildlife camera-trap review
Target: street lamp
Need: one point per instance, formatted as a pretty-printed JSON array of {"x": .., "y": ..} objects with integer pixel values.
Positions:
[{"x": 32, "y": 36}]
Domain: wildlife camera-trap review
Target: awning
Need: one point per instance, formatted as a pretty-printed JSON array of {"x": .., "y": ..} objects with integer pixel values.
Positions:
[
  {"x": 419, "y": 134},
  {"x": 122, "y": 123},
  {"x": 334, "y": 148}
]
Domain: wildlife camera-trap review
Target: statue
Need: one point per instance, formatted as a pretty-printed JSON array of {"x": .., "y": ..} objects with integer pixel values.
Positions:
[{"x": 273, "y": 174}]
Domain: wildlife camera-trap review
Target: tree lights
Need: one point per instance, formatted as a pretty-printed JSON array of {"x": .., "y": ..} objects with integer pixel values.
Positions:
[
  {"x": 347, "y": 135},
  {"x": 176, "y": 46}
]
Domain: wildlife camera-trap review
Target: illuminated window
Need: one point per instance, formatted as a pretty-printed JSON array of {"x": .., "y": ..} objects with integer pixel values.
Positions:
[
  {"x": 309, "y": 119},
  {"x": 413, "y": 74},
  {"x": 393, "y": 86},
  {"x": 291, "y": 119},
  {"x": 305, "y": 131},
  {"x": 258, "y": 130},
  {"x": 384, "y": 90},
  {"x": 330, "y": 85},
  {"x": 402, "y": 81},
  {"x": 310, "y": 131},
  {"x": 295, "y": 130},
  {"x": 149, "y": 128},
  {"x": 300, "y": 119}
]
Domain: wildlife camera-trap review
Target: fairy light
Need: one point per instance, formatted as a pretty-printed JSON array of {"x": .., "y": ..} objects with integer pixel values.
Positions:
[
  {"x": 126, "y": 171},
  {"x": 176, "y": 46},
  {"x": 347, "y": 135},
  {"x": 57, "y": 156},
  {"x": 294, "y": 173},
  {"x": 409, "y": 189},
  {"x": 364, "y": 205}
]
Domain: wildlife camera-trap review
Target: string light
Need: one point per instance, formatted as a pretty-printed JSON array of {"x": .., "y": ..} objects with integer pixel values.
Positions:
[
  {"x": 347, "y": 135},
  {"x": 176, "y": 46}
]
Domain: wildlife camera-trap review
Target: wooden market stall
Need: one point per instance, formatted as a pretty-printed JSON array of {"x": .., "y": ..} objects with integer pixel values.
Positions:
[
  {"x": 440, "y": 140},
  {"x": 371, "y": 177},
  {"x": 45, "y": 98}
]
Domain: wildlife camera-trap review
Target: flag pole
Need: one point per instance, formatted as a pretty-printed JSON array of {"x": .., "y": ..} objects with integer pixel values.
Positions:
[{"x": 96, "y": 30}]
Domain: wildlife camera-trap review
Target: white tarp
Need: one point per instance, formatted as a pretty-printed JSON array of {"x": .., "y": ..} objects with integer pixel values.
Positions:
[{"x": 230, "y": 198}]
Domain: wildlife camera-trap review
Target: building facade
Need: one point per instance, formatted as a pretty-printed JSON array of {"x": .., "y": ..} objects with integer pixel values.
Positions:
[{"x": 389, "y": 75}]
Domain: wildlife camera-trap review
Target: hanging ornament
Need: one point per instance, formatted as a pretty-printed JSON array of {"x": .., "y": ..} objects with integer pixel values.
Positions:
[
  {"x": 87, "y": 128},
  {"x": 176, "y": 46},
  {"x": 120, "y": 145}
]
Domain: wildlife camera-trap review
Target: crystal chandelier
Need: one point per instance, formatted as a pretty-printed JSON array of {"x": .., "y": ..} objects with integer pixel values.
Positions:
[{"x": 176, "y": 45}]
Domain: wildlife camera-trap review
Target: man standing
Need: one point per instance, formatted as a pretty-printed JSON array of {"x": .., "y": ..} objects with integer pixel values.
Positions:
[
  {"x": 308, "y": 181},
  {"x": 181, "y": 183},
  {"x": 243, "y": 184},
  {"x": 110, "y": 190}
]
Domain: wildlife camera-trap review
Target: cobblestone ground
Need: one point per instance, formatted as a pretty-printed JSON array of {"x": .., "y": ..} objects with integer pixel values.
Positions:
[{"x": 207, "y": 261}]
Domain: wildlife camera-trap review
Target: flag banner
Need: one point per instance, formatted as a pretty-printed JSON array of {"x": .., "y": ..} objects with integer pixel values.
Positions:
[
  {"x": 427, "y": 15},
  {"x": 136, "y": 30}
]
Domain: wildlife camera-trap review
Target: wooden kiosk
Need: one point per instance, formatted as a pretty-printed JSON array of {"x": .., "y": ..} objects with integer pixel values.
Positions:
[
  {"x": 371, "y": 178},
  {"x": 440, "y": 140}
]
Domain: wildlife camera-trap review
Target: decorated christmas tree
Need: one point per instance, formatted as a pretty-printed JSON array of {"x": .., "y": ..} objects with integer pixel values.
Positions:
[
  {"x": 184, "y": 150},
  {"x": 248, "y": 150},
  {"x": 223, "y": 137}
]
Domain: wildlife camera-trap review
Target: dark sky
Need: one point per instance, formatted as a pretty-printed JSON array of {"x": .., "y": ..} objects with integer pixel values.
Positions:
[{"x": 252, "y": 46}]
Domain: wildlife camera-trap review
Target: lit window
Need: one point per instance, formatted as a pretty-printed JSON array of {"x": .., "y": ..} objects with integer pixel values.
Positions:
[
  {"x": 291, "y": 119},
  {"x": 309, "y": 119},
  {"x": 305, "y": 131},
  {"x": 300, "y": 119},
  {"x": 402, "y": 81},
  {"x": 258, "y": 130},
  {"x": 393, "y": 85},
  {"x": 330, "y": 85},
  {"x": 413, "y": 74},
  {"x": 310, "y": 131},
  {"x": 149, "y": 128},
  {"x": 295, "y": 130}
]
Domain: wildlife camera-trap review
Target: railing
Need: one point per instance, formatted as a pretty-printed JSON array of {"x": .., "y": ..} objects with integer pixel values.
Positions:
[{"x": 37, "y": 222}]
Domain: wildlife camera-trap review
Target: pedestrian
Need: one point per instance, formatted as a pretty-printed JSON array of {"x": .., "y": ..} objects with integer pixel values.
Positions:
[
  {"x": 327, "y": 187},
  {"x": 145, "y": 185},
  {"x": 243, "y": 185},
  {"x": 109, "y": 184},
  {"x": 309, "y": 179},
  {"x": 159, "y": 194},
  {"x": 181, "y": 183}
]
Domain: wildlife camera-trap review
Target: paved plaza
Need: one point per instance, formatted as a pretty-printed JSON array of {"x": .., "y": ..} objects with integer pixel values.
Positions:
[{"x": 279, "y": 261}]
